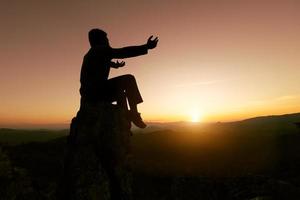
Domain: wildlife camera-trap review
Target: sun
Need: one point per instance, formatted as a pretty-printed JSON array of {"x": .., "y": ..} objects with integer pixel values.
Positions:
[{"x": 195, "y": 116}]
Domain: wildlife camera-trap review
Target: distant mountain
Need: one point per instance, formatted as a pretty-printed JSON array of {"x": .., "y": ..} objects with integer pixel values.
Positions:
[
  {"x": 287, "y": 118},
  {"x": 273, "y": 124},
  {"x": 57, "y": 126},
  {"x": 19, "y": 136}
]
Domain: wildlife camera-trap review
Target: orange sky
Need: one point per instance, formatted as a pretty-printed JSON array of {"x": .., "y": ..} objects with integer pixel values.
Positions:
[{"x": 225, "y": 60}]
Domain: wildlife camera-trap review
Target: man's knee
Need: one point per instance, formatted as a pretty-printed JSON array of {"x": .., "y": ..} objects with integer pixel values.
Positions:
[{"x": 129, "y": 78}]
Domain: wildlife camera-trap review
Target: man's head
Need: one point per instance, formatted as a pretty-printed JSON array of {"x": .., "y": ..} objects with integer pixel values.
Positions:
[{"x": 98, "y": 37}]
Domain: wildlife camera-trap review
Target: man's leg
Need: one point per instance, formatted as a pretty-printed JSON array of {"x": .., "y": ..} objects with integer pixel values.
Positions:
[{"x": 126, "y": 84}]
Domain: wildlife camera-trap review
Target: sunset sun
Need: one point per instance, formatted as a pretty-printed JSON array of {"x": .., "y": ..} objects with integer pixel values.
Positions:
[{"x": 195, "y": 116}]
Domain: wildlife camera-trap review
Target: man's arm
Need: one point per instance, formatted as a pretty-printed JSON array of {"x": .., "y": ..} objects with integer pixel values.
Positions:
[
  {"x": 133, "y": 51},
  {"x": 128, "y": 52}
]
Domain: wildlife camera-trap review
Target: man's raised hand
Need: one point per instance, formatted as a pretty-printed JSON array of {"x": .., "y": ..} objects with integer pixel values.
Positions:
[{"x": 151, "y": 44}]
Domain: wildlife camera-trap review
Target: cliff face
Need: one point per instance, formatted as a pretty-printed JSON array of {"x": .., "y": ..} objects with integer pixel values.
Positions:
[{"x": 97, "y": 154}]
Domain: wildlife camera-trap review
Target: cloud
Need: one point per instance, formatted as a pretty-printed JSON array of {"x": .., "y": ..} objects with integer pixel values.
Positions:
[
  {"x": 200, "y": 83},
  {"x": 287, "y": 97},
  {"x": 274, "y": 100}
]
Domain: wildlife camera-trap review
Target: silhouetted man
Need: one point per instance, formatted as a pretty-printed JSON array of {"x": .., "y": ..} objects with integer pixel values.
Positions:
[{"x": 95, "y": 85}]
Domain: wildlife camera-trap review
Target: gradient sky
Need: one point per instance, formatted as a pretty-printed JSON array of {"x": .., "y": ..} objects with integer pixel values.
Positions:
[{"x": 224, "y": 59}]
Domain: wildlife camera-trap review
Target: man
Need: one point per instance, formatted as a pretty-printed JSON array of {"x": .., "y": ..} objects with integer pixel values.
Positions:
[{"x": 95, "y": 85}]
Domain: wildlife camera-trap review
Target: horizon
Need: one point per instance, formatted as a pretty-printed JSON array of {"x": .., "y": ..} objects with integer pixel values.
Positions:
[
  {"x": 66, "y": 125},
  {"x": 215, "y": 61}
]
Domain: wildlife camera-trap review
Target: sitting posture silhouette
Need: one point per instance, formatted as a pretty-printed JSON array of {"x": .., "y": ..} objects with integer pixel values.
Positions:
[{"x": 95, "y": 85}]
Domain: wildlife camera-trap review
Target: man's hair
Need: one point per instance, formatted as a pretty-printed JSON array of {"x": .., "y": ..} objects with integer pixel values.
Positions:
[{"x": 96, "y": 36}]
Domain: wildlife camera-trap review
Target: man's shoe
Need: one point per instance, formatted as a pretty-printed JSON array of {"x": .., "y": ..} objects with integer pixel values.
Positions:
[{"x": 137, "y": 120}]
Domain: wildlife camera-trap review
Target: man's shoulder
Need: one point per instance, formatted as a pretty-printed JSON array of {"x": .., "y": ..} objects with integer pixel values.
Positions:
[{"x": 100, "y": 49}]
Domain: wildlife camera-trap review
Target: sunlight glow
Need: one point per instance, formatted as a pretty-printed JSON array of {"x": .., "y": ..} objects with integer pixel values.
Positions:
[{"x": 196, "y": 116}]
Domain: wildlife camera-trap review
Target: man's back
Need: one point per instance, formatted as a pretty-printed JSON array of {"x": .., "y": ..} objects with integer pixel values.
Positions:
[{"x": 94, "y": 72}]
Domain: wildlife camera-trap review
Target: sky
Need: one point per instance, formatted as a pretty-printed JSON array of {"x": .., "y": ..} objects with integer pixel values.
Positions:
[{"x": 217, "y": 60}]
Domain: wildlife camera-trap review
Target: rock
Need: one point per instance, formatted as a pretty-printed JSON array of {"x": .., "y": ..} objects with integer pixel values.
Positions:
[
  {"x": 96, "y": 160},
  {"x": 14, "y": 181}
]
